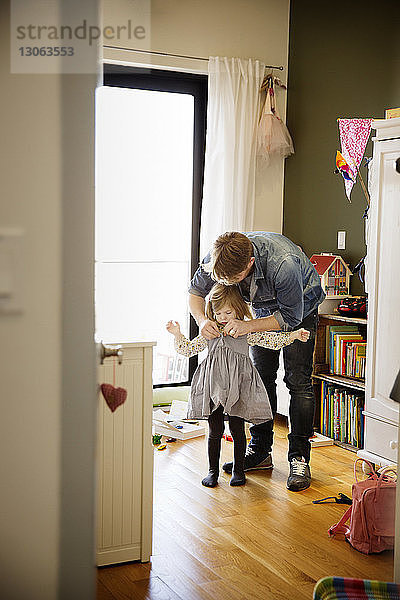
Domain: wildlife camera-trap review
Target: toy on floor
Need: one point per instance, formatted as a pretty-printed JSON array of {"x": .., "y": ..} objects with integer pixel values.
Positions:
[{"x": 343, "y": 499}]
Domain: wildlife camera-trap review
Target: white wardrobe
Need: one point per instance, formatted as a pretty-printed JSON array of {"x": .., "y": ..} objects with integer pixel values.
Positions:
[{"x": 383, "y": 287}]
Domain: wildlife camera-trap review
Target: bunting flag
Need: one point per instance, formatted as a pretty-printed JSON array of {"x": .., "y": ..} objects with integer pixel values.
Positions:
[{"x": 354, "y": 135}]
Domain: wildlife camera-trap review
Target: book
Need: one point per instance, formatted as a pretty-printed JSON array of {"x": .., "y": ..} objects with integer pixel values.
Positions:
[
  {"x": 336, "y": 414},
  {"x": 355, "y": 359},
  {"x": 360, "y": 359},
  {"x": 342, "y": 348},
  {"x": 187, "y": 432},
  {"x": 342, "y": 416},
  {"x": 180, "y": 430},
  {"x": 320, "y": 440},
  {"x": 178, "y": 410},
  {"x": 340, "y": 339},
  {"x": 392, "y": 113},
  {"x": 331, "y": 330}
]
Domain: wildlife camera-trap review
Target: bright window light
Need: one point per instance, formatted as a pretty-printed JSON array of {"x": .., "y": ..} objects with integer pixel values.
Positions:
[{"x": 144, "y": 173}]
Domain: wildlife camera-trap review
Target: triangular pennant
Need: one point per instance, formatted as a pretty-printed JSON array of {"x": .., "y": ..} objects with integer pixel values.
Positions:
[{"x": 354, "y": 135}]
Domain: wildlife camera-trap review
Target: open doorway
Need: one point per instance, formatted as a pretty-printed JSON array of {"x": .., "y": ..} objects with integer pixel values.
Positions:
[{"x": 279, "y": 542}]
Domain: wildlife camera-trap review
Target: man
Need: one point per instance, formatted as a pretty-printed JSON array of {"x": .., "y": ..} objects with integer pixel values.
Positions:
[{"x": 284, "y": 289}]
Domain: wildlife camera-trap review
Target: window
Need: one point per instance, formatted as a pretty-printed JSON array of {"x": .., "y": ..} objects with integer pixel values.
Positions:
[{"x": 150, "y": 133}]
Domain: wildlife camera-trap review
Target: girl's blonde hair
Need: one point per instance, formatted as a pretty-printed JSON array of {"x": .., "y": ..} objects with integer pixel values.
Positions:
[
  {"x": 230, "y": 255},
  {"x": 221, "y": 295}
]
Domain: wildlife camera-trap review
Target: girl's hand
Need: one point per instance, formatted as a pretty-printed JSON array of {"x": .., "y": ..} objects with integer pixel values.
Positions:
[
  {"x": 301, "y": 334},
  {"x": 173, "y": 327}
]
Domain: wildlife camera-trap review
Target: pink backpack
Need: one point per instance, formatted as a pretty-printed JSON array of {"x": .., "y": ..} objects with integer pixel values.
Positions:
[{"x": 371, "y": 527}]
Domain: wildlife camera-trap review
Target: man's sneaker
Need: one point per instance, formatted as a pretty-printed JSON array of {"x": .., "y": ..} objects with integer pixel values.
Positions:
[
  {"x": 299, "y": 476},
  {"x": 252, "y": 461}
]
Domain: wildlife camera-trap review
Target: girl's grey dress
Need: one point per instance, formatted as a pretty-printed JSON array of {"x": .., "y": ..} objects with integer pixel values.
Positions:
[{"x": 227, "y": 376}]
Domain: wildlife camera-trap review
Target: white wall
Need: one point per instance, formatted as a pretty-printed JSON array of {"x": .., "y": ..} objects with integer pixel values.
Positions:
[
  {"x": 243, "y": 28},
  {"x": 47, "y": 359}
]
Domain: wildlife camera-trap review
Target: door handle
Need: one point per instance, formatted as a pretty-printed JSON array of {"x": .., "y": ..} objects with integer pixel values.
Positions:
[{"x": 105, "y": 351}]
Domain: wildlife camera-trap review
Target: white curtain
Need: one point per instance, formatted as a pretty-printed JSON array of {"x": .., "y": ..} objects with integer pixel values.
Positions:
[{"x": 230, "y": 161}]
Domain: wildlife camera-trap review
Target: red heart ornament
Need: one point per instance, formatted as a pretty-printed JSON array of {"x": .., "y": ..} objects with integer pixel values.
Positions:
[{"x": 113, "y": 396}]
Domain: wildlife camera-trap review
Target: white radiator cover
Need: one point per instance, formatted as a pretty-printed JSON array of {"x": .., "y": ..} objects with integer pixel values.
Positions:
[{"x": 125, "y": 460}]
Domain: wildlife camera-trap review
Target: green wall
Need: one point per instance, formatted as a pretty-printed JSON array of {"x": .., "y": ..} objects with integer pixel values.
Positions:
[{"x": 343, "y": 62}]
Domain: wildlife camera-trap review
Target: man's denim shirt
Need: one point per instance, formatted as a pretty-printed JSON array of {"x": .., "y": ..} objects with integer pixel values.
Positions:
[{"x": 284, "y": 283}]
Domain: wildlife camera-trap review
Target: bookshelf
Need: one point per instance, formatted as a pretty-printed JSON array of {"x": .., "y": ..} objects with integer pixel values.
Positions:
[
  {"x": 346, "y": 390},
  {"x": 352, "y": 384}
]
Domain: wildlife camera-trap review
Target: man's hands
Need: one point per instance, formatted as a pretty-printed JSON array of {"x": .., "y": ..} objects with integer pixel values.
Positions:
[
  {"x": 208, "y": 329},
  {"x": 235, "y": 328}
]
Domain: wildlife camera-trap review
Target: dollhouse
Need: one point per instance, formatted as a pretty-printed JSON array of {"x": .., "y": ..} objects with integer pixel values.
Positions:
[{"x": 334, "y": 274}]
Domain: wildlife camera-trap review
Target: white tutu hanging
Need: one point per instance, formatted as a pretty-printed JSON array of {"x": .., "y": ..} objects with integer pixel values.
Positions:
[{"x": 273, "y": 137}]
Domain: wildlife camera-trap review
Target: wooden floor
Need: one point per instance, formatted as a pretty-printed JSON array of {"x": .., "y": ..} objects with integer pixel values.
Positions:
[{"x": 254, "y": 542}]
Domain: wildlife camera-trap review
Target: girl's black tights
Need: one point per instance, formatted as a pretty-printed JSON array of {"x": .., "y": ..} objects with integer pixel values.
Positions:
[{"x": 216, "y": 430}]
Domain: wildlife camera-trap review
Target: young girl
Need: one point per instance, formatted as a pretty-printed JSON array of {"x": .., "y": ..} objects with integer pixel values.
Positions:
[{"x": 227, "y": 382}]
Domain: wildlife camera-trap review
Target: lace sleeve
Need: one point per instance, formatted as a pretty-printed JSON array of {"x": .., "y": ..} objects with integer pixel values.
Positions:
[
  {"x": 274, "y": 340},
  {"x": 190, "y": 348}
]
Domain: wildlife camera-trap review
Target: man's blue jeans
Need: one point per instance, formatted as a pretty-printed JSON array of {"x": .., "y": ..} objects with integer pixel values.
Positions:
[{"x": 298, "y": 362}]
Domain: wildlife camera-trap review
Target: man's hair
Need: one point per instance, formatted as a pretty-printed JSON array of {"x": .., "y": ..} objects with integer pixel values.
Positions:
[
  {"x": 230, "y": 255},
  {"x": 221, "y": 295}
]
